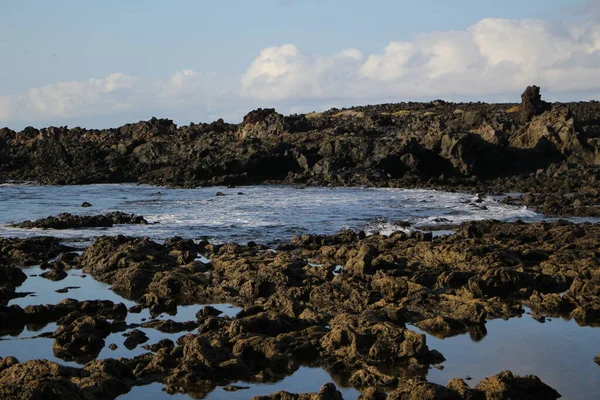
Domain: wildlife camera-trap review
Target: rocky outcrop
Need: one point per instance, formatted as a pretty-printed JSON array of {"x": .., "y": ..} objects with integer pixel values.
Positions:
[
  {"x": 14, "y": 318},
  {"x": 507, "y": 386},
  {"x": 135, "y": 266},
  {"x": 532, "y": 103},
  {"x": 405, "y": 144},
  {"x": 70, "y": 221}
]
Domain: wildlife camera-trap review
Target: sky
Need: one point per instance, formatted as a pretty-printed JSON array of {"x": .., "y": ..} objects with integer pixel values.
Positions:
[{"x": 103, "y": 64}]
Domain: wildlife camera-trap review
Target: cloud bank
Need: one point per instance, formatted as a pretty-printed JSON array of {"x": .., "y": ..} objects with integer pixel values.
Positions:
[{"x": 494, "y": 56}]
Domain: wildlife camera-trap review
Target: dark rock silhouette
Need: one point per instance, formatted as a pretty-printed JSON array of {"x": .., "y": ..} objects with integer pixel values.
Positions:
[
  {"x": 478, "y": 146},
  {"x": 532, "y": 104},
  {"x": 70, "y": 221}
]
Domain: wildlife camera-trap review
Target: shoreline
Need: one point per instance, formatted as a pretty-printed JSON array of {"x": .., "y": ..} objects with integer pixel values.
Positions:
[
  {"x": 550, "y": 152},
  {"x": 379, "y": 312}
]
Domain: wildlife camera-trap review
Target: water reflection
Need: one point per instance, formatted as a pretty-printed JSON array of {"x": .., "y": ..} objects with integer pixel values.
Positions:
[
  {"x": 559, "y": 351},
  {"x": 304, "y": 380}
]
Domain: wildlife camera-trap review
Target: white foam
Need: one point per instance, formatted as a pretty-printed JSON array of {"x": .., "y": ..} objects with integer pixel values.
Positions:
[{"x": 264, "y": 214}]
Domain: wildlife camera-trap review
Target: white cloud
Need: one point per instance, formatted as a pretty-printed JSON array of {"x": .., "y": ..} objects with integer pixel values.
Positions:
[
  {"x": 284, "y": 72},
  {"x": 68, "y": 99},
  {"x": 493, "y": 57},
  {"x": 117, "y": 93},
  {"x": 391, "y": 65}
]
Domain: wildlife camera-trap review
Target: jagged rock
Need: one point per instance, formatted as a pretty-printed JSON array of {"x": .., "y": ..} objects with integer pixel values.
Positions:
[
  {"x": 30, "y": 251},
  {"x": 41, "y": 379},
  {"x": 507, "y": 386},
  {"x": 412, "y": 389},
  {"x": 398, "y": 145},
  {"x": 531, "y": 103},
  {"x": 11, "y": 276},
  {"x": 80, "y": 337},
  {"x": 54, "y": 275},
  {"x": 327, "y": 392},
  {"x": 134, "y": 338},
  {"x": 70, "y": 221}
]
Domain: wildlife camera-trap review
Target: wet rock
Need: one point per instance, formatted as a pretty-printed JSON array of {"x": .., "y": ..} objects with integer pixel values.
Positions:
[
  {"x": 169, "y": 326},
  {"x": 597, "y": 359},
  {"x": 42, "y": 314},
  {"x": 136, "y": 265},
  {"x": 361, "y": 263},
  {"x": 162, "y": 344},
  {"x": 40, "y": 379},
  {"x": 65, "y": 261},
  {"x": 80, "y": 337},
  {"x": 235, "y": 388},
  {"x": 414, "y": 389},
  {"x": 202, "y": 359},
  {"x": 506, "y": 385},
  {"x": 464, "y": 391},
  {"x": 30, "y": 251},
  {"x": 105, "y": 379},
  {"x": 129, "y": 264},
  {"x": 135, "y": 309},
  {"x": 86, "y": 204},
  {"x": 263, "y": 355},
  {"x": 134, "y": 337},
  {"x": 355, "y": 340},
  {"x": 12, "y": 317},
  {"x": 54, "y": 275},
  {"x": 70, "y": 221},
  {"x": 66, "y": 289},
  {"x": 158, "y": 304},
  {"x": 440, "y": 326},
  {"x": 370, "y": 376},
  {"x": 208, "y": 311},
  {"x": 327, "y": 392},
  {"x": 11, "y": 276}
]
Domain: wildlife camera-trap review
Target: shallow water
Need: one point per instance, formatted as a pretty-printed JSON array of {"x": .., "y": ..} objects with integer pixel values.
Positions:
[
  {"x": 559, "y": 351},
  {"x": 303, "y": 380}
]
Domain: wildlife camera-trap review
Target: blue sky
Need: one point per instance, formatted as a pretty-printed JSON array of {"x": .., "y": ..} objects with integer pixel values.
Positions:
[{"x": 105, "y": 63}]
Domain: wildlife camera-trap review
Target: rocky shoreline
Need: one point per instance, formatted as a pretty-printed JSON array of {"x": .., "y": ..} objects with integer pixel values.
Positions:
[
  {"x": 343, "y": 302},
  {"x": 548, "y": 152},
  {"x": 340, "y": 302}
]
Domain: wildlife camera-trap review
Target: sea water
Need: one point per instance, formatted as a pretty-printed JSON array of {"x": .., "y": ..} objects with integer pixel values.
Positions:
[{"x": 264, "y": 214}]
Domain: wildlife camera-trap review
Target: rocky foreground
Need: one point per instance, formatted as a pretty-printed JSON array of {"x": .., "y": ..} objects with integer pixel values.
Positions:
[
  {"x": 341, "y": 302},
  {"x": 549, "y": 151}
]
